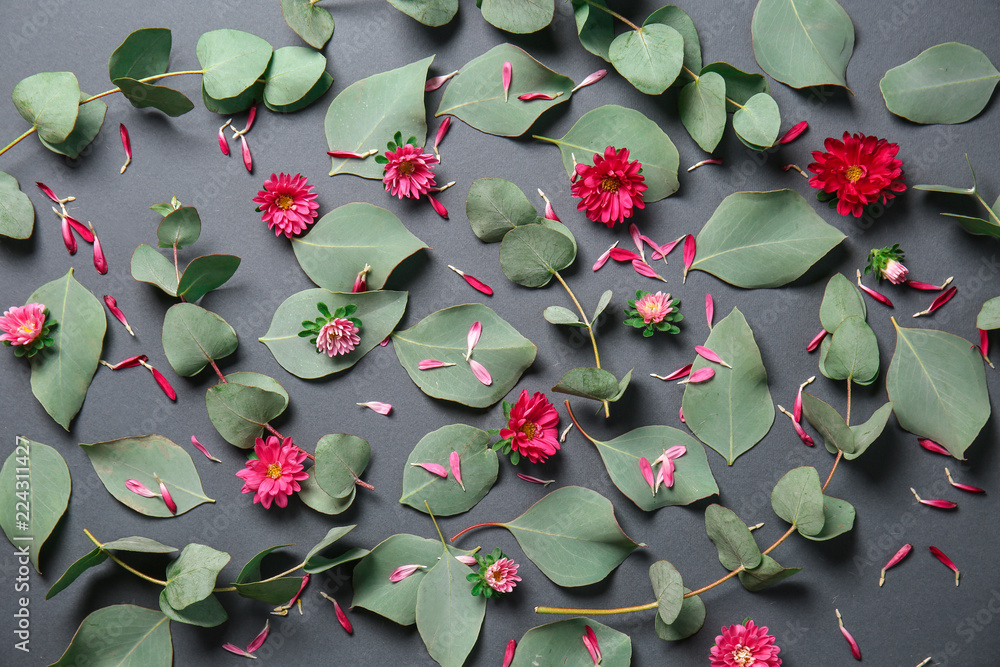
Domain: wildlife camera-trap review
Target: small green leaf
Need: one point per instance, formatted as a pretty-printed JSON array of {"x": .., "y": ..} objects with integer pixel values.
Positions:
[
  {"x": 17, "y": 216},
  {"x": 141, "y": 95},
  {"x": 124, "y": 635},
  {"x": 839, "y": 519},
  {"x": 251, "y": 571},
  {"x": 372, "y": 588},
  {"x": 149, "y": 266},
  {"x": 181, "y": 227},
  {"x": 314, "y": 562},
  {"x": 316, "y": 498},
  {"x": 232, "y": 61},
  {"x": 798, "y": 499},
  {"x": 853, "y": 352},
  {"x": 93, "y": 558},
  {"x": 702, "y": 106},
  {"x": 496, "y": 206},
  {"x": 668, "y": 589},
  {"x": 867, "y": 433},
  {"x": 444, "y": 495},
  {"x": 194, "y": 337},
  {"x": 824, "y": 418},
  {"x": 767, "y": 574},
  {"x": 678, "y": 19},
  {"x": 740, "y": 85},
  {"x": 602, "y": 304},
  {"x": 560, "y": 315},
  {"x": 291, "y": 74},
  {"x": 449, "y": 618},
  {"x": 689, "y": 621},
  {"x": 650, "y": 58},
  {"x": 518, "y": 16},
  {"x": 138, "y": 544},
  {"x": 593, "y": 383},
  {"x": 595, "y": 27},
  {"x": 341, "y": 459},
  {"x": 732, "y": 538},
  {"x": 49, "y": 101},
  {"x": 429, "y": 12},
  {"x": 559, "y": 643},
  {"x": 240, "y": 407},
  {"x": 317, "y": 91},
  {"x": 757, "y": 124},
  {"x": 840, "y": 301},
  {"x": 191, "y": 577},
  {"x": 803, "y": 42},
  {"x": 313, "y": 24},
  {"x": 205, "y": 274},
  {"x": 532, "y": 254},
  {"x": 88, "y": 124},
  {"x": 144, "y": 53},
  {"x": 989, "y": 315}
]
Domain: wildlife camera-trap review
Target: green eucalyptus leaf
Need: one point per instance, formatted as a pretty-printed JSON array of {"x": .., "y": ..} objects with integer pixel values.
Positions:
[
  {"x": 429, "y": 12},
  {"x": 314, "y": 562},
  {"x": 948, "y": 83},
  {"x": 564, "y": 316},
  {"x": 938, "y": 388},
  {"x": 149, "y": 266},
  {"x": 291, "y": 74},
  {"x": 49, "y": 101},
  {"x": 740, "y": 85},
  {"x": 138, "y": 458},
  {"x": 181, "y": 227},
  {"x": 595, "y": 27},
  {"x": 445, "y": 496},
  {"x": 366, "y": 114},
  {"x": 803, "y": 42},
  {"x": 378, "y": 311},
  {"x": 17, "y": 216},
  {"x": 678, "y": 19},
  {"x": 372, "y": 588},
  {"x": 504, "y": 352},
  {"x": 559, "y": 643},
  {"x": 757, "y": 124},
  {"x": 668, "y": 589},
  {"x": 476, "y": 95},
  {"x": 88, "y": 124},
  {"x": 317, "y": 91},
  {"x": 232, "y": 61},
  {"x": 313, "y": 24},
  {"x": 205, "y": 274},
  {"x": 138, "y": 544},
  {"x": 977, "y": 226},
  {"x": 853, "y": 352},
  {"x": 867, "y": 433},
  {"x": 649, "y": 58},
  {"x": 839, "y": 519},
  {"x": 732, "y": 538},
  {"x": 240, "y": 407},
  {"x": 141, "y": 95},
  {"x": 341, "y": 459},
  {"x": 449, "y": 618},
  {"x": 235, "y": 104},
  {"x": 518, "y": 16},
  {"x": 346, "y": 239},
  {"x": 989, "y": 315},
  {"x": 702, "y": 106},
  {"x": 602, "y": 304},
  {"x": 532, "y": 254},
  {"x": 763, "y": 239},
  {"x": 275, "y": 592},
  {"x": 194, "y": 337},
  {"x": 35, "y": 477},
  {"x": 840, "y": 301},
  {"x": 123, "y": 635},
  {"x": 824, "y": 418},
  {"x": 322, "y": 564},
  {"x": 191, "y": 577},
  {"x": 612, "y": 125},
  {"x": 765, "y": 575},
  {"x": 206, "y": 613},
  {"x": 92, "y": 558},
  {"x": 251, "y": 571},
  {"x": 593, "y": 383},
  {"x": 798, "y": 499},
  {"x": 495, "y": 206},
  {"x": 316, "y": 498},
  {"x": 61, "y": 373},
  {"x": 689, "y": 621},
  {"x": 144, "y": 53}
]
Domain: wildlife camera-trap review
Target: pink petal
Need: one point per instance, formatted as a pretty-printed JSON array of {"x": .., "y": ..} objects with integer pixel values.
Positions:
[
  {"x": 100, "y": 261},
  {"x": 938, "y": 302},
  {"x": 250, "y": 118},
  {"x": 201, "y": 448},
  {"x": 376, "y": 406},
  {"x": 963, "y": 487},
  {"x": 591, "y": 79},
  {"x": 535, "y": 480},
  {"x": 434, "y": 468},
  {"x": 681, "y": 372},
  {"x": 927, "y": 287},
  {"x": 817, "y": 339},
  {"x": 259, "y": 640},
  {"x": 855, "y": 649},
  {"x": 342, "y": 618},
  {"x": 404, "y": 571},
  {"x": 85, "y": 232},
  {"x": 438, "y": 207},
  {"x": 508, "y": 654},
  {"x": 709, "y": 309},
  {"x": 466, "y": 560},
  {"x": 714, "y": 160},
  {"x": 550, "y": 213},
  {"x": 442, "y": 131},
  {"x": 385, "y": 341},
  {"x": 940, "y": 504},
  {"x": 68, "y": 237},
  {"x": 47, "y": 191},
  {"x": 803, "y": 436},
  {"x": 590, "y": 641},
  {"x": 505, "y": 74},
  {"x": 647, "y": 473},
  {"x": 932, "y": 446},
  {"x": 637, "y": 240},
  {"x": 247, "y": 158},
  {"x": 126, "y": 144},
  {"x": 476, "y": 283},
  {"x": 689, "y": 252},
  {"x": 361, "y": 280},
  {"x": 644, "y": 269},
  {"x": 428, "y": 364},
  {"x": 661, "y": 252},
  {"x": 480, "y": 372},
  {"x": 112, "y": 305},
  {"x": 455, "y": 462},
  {"x": 302, "y": 587},
  {"x": 623, "y": 255},
  {"x": 237, "y": 650},
  {"x": 224, "y": 147},
  {"x": 528, "y": 97},
  {"x": 167, "y": 499},
  {"x": 348, "y": 155},
  {"x": 881, "y": 298},
  {"x": 680, "y": 414},
  {"x": 700, "y": 375},
  {"x": 162, "y": 382},
  {"x": 984, "y": 343},
  {"x": 947, "y": 561},
  {"x": 472, "y": 338},
  {"x": 900, "y": 555},
  {"x": 710, "y": 355},
  {"x": 602, "y": 260},
  {"x": 137, "y": 487},
  {"x": 793, "y": 133},
  {"x": 130, "y": 362},
  {"x": 436, "y": 82}
]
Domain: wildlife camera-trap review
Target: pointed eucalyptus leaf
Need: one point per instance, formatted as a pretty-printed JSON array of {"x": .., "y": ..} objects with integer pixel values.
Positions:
[
  {"x": 518, "y": 16},
  {"x": 366, "y": 114},
  {"x": 678, "y": 19},
  {"x": 824, "y": 418},
  {"x": 938, "y": 387},
  {"x": 532, "y": 254},
  {"x": 206, "y": 613},
  {"x": 572, "y": 536},
  {"x": 49, "y": 101},
  {"x": 317, "y": 91},
  {"x": 191, "y": 576},
  {"x": 948, "y": 83},
  {"x": 853, "y": 353},
  {"x": 602, "y": 304},
  {"x": 594, "y": 383},
  {"x": 205, "y": 274},
  {"x": 313, "y": 24},
  {"x": 235, "y": 104},
  {"x": 444, "y": 495},
  {"x": 341, "y": 459},
  {"x": 765, "y": 575},
  {"x": 322, "y": 563},
  {"x": 372, "y": 588},
  {"x": 291, "y": 74},
  {"x": 141, "y": 95},
  {"x": 867, "y": 433},
  {"x": 702, "y": 106},
  {"x": 476, "y": 95},
  {"x": 839, "y": 519},
  {"x": 504, "y": 352},
  {"x": 977, "y": 226},
  {"x": 194, "y": 337},
  {"x": 649, "y": 58},
  {"x": 35, "y": 476},
  {"x": 560, "y": 315},
  {"x": 803, "y": 42},
  {"x": 275, "y": 592},
  {"x": 316, "y": 498},
  {"x": 449, "y": 618},
  {"x": 314, "y": 562},
  {"x": 740, "y": 85},
  {"x": 138, "y": 458},
  {"x": 732, "y": 538},
  {"x": 149, "y": 266},
  {"x": 763, "y": 239},
  {"x": 251, "y": 571},
  {"x": 689, "y": 621},
  {"x": 17, "y": 216},
  {"x": 240, "y": 407},
  {"x": 798, "y": 499},
  {"x": 232, "y": 61},
  {"x": 346, "y": 239},
  {"x": 429, "y": 12},
  {"x": 757, "y": 124},
  {"x": 495, "y": 206},
  {"x": 181, "y": 227},
  {"x": 840, "y": 301},
  {"x": 88, "y": 124},
  {"x": 559, "y": 643},
  {"x": 733, "y": 411},
  {"x": 612, "y": 125},
  {"x": 61, "y": 373},
  {"x": 378, "y": 311},
  {"x": 989, "y": 315},
  {"x": 123, "y": 635},
  {"x": 144, "y": 53},
  {"x": 595, "y": 27},
  {"x": 93, "y": 558},
  {"x": 139, "y": 544},
  {"x": 668, "y": 589}
]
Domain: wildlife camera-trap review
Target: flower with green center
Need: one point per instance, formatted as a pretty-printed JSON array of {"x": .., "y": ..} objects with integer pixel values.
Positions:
[
  {"x": 887, "y": 263},
  {"x": 651, "y": 312}
]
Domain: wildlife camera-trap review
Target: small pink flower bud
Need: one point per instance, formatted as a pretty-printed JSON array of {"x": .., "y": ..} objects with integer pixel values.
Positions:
[
  {"x": 138, "y": 488},
  {"x": 433, "y": 468},
  {"x": 590, "y": 80},
  {"x": 793, "y": 133},
  {"x": 112, "y": 305},
  {"x": 404, "y": 571},
  {"x": 681, "y": 372},
  {"x": 900, "y": 555},
  {"x": 476, "y": 283},
  {"x": 505, "y": 75},
  {"x": 436, "y": 82},
  {"x": 855, "y": 649},
  {"x": 895, "y": 272},
  {"x": 455, "y": 462},
  {"x": 535, "y": 480},
  {"x": 376, "y": 406},
  {"x": 947, "y": 561}
]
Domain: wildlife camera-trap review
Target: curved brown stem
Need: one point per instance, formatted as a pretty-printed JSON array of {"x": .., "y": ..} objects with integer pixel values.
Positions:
[{"x": 478, "y": 525}]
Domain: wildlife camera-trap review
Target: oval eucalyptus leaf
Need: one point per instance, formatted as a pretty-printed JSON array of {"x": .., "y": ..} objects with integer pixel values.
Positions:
[
  {"x": 205, "y": 274},
  {"x": 476, "y": 95},
  {"x": 593, "y": 383},
  {"x": 733, "y": 411},
  {"x": 532, "y": 254},
  {"x": 678, "y": 19},
  {"x": 602, "y": 304},
  {"x": 240, "y": 411},
  {"x": 346, "y": 239},
  {"x": 572, "y": 536},
  {"x": 429, "y": 12},
  {"x": 141, "y": 95},
  {"x": 495, "y": 206},
  {"x": 767, "y": 574},
  {"x": 757, "y": 124},
  {"x": 867, "y": 433},
  {"x": 251, "y": 571},
  {"x": 236, "y": 104},
  {"x": 144, "y": 53},
  {"x": 138, "y": 458},
  {"x": 798, "y": 499},
  {"x": 449, "y": 618},
  {"x": 803, "y": 42},
  {"x": 989, "y": 315},
  {"x": 559, "y": 643},
  {"x": 275, "y": 592},
  {"x": 518, "y": 16},
  {"x": 763, "y": 239},
  {"x": 122, "y": 634},
  {"x": 207, "y": 613},
  {"x": 232, "y": 61},
  {"x": 366, "y": 114},
  {"x": 372, "y": 588},
  {"x": 316, "y": 498},
  {"x": 191, "y": 576},
  {"x": 504, "y": 352},
  {"x": 93, "y": 558},
  {"x": 341, "y": 459},
  {"x": 938, "y": 387},
  {"x": 444, "y": 495},
  {"x": 702, "y": 107},
  {"x": 740, "y": 85},
  {"x": 853, "y": 353},
  {"x": 668, "y": 589},
  {"x": 839, "y": 519},
  {"x": 194, "y": 337},
  {"x": 61, "y": 374},
  {"x": 948, "y": 83},
  {"x": 317, "y": 91},
  {"x": 138, "y": 544},
  {"x": 181, "y": 227},
  {"x": 689, "y": 621},
  {"x": 595, "y": 27},
  {"x": 313, "y": 24},
  {"x": 824, "y": 418},
  {"x": 17, "y": 216},
  {"x": 612, "y": 125},
  {"x": 88, "y": 124},
  {"x": 732, "y": 538},
  {"x": 565, "y": 316},
  {"x": 378, "y": 311},
  {"x": 149, "y": 266},
  {"x": 649, "y": 58},
  {"x": 260, "y": 381},
  {"x": 291, "y": 74},
  {"x": 49, "y": 101},
  {"x": 840, "y": 301},
  {"x": 34, "y": 476},
  {"x": 322, "y": 564},
  {"x": 313, "y": 558}
]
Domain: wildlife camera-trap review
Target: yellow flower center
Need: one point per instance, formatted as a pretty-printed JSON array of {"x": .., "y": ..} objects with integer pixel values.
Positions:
[
  {"x": 854, "y": 173},
  {"x": 274, "y": 470},
  {"x": 529, "y": 429},
  {"x": 497, "y": 576},
  {"x": 406, "y": 167},
  {"x": 26, "y": 328},
  {"x": 743, "y": 657},
  {"x": 611, "y": 184},
  {"x": 284, "y": 202}
]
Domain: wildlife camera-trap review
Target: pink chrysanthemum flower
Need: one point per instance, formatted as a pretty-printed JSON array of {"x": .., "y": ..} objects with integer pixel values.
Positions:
[
  {"x": 288, "y": 203},
  {"x": 22, "y": 324},
  {"x": 895, "y": 272},
  {"x": 611, "y": 188},
  {"x": 276, "y": 473},
  {"x": 338, "y": 336},
  {"x": 745, "y": 645},
  {"x": 533, "y": 427},
  {"x": 654, "y": 307},
  {"x": 859, "y": 171},
  {"x": 409, "y": 171},
  {"x": 502, "y": 575}
]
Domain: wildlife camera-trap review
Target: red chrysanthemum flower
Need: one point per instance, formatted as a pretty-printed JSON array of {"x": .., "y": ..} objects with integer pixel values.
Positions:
[
  {"x": 409, "y": 172},
  {"x": 276, "y": 472},
  {"x": 745, "y": 645},
  {"x": 859, "y": 171},
  {"x": 288, "y": 203},
  {"x": 533, "y": 427},
  {"x": 611, "y": 188}
]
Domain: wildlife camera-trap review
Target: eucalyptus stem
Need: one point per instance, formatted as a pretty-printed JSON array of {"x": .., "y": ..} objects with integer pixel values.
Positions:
[
  {"x": 27, "y": 133},
  {"x": 612, "y": 12},
  {"x": 696, "y": 77},
  {"x": 989, "y": 209},
  {"x": 123, "y": 564},
  {"x": 590, "y": 330}
]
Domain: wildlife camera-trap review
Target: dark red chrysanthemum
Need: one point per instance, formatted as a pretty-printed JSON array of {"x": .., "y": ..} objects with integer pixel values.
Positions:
[
  {"x": 859, "y": 170},
  {"x": 611, "y": 188}
]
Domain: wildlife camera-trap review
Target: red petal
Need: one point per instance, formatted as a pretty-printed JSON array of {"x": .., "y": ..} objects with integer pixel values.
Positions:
[
  {"x": 647, "y": 473},
  {"x": 940, "y": 504},
  {"x": 940, "y": 301},
  {"x": 128, "y": 363},
  {"x": 508, "y": 654},
  {"x": 112, "y": 305},
  {"x": 689, "y": 252},
  {"x": 681, "y": 372},
  {"x": 480, "y": 372},
  {"x": 527, "y": 97},
  {"x": 709, "y": 309},
  {"x": 100, "y": 261},
  {"x": 442, "y": 131},
  {"x": 900, "y": 555},
  {"x": 85, "y": 232},
  {"x": 162, "y": 381},
  {"x": 855, "y": 649},
  {"x": 438, "y": 207},
  {"x": 963, "y": 487},
  {"x": 623, "y": 255},
  {"x": 433, "y": 468},
  {"x": 167, "y": 499},
  {"x": 247, "y": 159},
  {"x": 223, "y": 144},
  {"x": 793, "y": 133},
  {"x": 947, "y": 561},
  {"x": 476, "y": 283},
  {"x": 437, "y": 81},
  {"x": 817, "y": 339},
  {"x": 932, "y": 446},
  {"x": 700, "y": 375},
  {"x": 927, "y": 287},
  {"x": 342, "y": 618},
  {"x": 604, "y": 257},
  {"x": 258, "y": 641},
  {"x": 250, "y": 118},
  {"x": 48, "y": 191},
  {"x": 68, "y": 237},
  {"x": 535, "y": 480}
]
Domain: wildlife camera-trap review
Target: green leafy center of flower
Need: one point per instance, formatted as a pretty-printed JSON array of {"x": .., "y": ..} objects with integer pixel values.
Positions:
[
  {"x": 284, "y": 202},
  {"x": 854, "y": 173},
  {"x": 529, "y": 429},
  {"x": 610, "y": 183},
  {"x": 743, "y": 657},
  {"x": 274, "y": 470},
  {"x": 406, "y": 167}
]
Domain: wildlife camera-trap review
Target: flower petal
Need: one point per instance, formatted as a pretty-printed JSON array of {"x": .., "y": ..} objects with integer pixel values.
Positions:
[
  {"x": 100, "y": 261},
  {"x": 438, "y": 207},
  {"x": 223, "y": 144},
  {"x": 508, "y": 654},
  {"x": 442, "y": 131},
  {"x": 947, "y": 561},
  {"x": 455, "y": 462},
  {"x": 644, "y": 269},
  {"x": 480, "y": 372},
  {"x": 590, "y": 641},
  {"x": 602, "y": 260},
  {"x": 259, "y": 640},
  {"x": 681, "y": 372},
  {"x": 700, "y": 375},
  {"x": 637, "y": 240},
  {"x": 690, "y": 249},
  {"x": 433, "y": 468},
  {"x": 591, "y": 79},
  {"x": 963, "y": 487},
  {"x": 436, "y": 82},
  {"x": 793, "y": 133},
  {"x": 404, "y": 571},
  {"x": 428, "y": 364},
  {"x": 535, "y": 480},
  {"x": 817, "y": 339},
  {"x": 237, "y": 650},
  {"x": 855, "y": 649},
  {"x": 137, "y": 487},
  {"x": 528, "y": 97},
  {"x": 165, "y": 494},
  {"x": 709, "y": 309},
  {"x": 940, "y": 504},
  {"x": 881, "y": 298},
  {"x": 247, "y": 158},
  {"x": 932, "y": 446},
  {"x": 714, "y": 160},
  {"x": 710, "y": 355},
  {"x": 505, "y": 74},
  {"x": 476, "y": 283},
  {"x": 127, "y": 145},
  {"x": 112, "y": 305},
  {"x": 472, "y": 338},
  {"x": 647, "y": 473},
  {"x": 900, "y": 555},
  {"x": 376, "y": 406},
  {"x": 204, "y": 450},
  {"x": 938, "y": 302}
]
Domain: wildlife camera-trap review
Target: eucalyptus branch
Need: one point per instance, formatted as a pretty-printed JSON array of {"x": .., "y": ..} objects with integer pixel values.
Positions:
[
  {"x": 590, "y": 330},
  {"x": 122, "y": 563},
  {"x": 696, "y": 77},
  {"x": 613, "y": 13}
]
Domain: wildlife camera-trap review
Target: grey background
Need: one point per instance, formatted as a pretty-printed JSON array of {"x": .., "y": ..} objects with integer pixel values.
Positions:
[{"x": 919, "y": 612}]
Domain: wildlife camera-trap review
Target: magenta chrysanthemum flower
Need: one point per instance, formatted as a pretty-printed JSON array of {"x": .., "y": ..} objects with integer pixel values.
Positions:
[
  {"x": 533, "y": 427},
  {"x": 21, "y": 325},
  {"x": 745, "y": 645},
  {"x": 409, "y": 172},
  {"x": 338, "y": 336},
  {"x": 654, "y": 307},
  {"x": 611, "y": 188},
  {"x": 288, "y": 203},
  {"x": 859, "y": 171},
  {"x": 276, "y": 473},
  {"x": 502, "y": 575}
]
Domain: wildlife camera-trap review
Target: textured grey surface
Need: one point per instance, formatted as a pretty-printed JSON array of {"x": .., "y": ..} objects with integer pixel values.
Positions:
[{"x": 919, "y": 612}]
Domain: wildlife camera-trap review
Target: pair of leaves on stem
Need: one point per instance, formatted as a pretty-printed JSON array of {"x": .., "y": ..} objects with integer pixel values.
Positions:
[
  {"x": 50, "y": 101},
  {"x": 982, "y": 226},
  {"x": 798, "y": 498},
  {"x": 517, "y": 16},
  {"x": 738, "y": 550},
  {"x": 341, "y": 459},
  {"x": 851, "y": 352},
  {"x": 721, "y": 88}
]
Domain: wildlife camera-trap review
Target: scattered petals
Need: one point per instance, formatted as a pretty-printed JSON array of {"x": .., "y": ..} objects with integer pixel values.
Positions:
[
  {"x": 590, "y": 641},
  {"x": 376, "y": 406},
  {"x": 938, "y": 302},
  {"x": 647, "y": 473},
  {"x": 428, "y": 364},
  {"x": 550, "y": 213},
  {"x": 940, "y": 504},
  {"x": 932, "y": 446},
  {"x": 112, "y": 305},
  {"x": 204, "y": 450},
  {"x": 127, "y": 145},
  {"x": 433, "y": 468},
  {"x": 963, "y": 487},
  {"x": 436, "y": 82},
  {"x": 247, "y": 158},
  {"x": 442, "y": 131},
  {"x": 528, "y": 97},
  {"x": 165, "y": 494},
  {"x": 794, "y": 133},
  {"x": 855, "y": 649},
  {"x": 100, "y": 261},
  {"x": 288, "y": 204},
  {"x": 881, "y": 298},
  {"x": 505, "y": 74},
  {"x": 817, "y": 339},
  {"x": 161, "y": 381},
  {"x": 714, "y": 160},
  {"x": 603, "y": 259},
  {"x": 900, "y": 555},
  {"x": 438, "y": 207},
  {"x": 455, "y": 462},
  {"x": 947, "y": 561},
  {"x": 590, "y": 80},
  {"x": 404, "y": 571},
  {"x": 480, "y": 372},
  {"x": 508, "y": 654},
  {"x": 535, "y": 480},
  {"x": 665, "y": 475},
  {"x": 224, "y": 146},
  {"x": 681, "y": 372},
  {"x": 476, "y": 283},
  {"x": 709, "y": 309},
  {"x": 700, "y": 375},
  {"x": 137, "y": 487},
  {"x": 710, "y": 355},
  {"x": 689, "y": 252}
]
